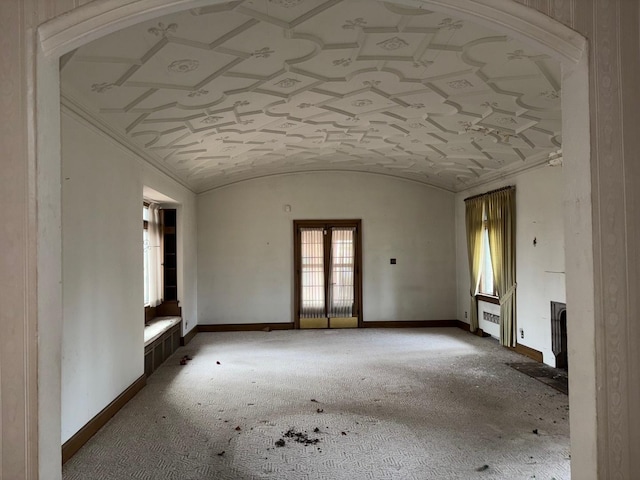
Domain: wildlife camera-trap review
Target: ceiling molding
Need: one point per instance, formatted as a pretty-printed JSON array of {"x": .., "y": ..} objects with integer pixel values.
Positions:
[
  {"x": 79, "y": 111},
  {"x": 328, "y": 170},
  {"x": 226, "y": 92},
  {"x": 97, "y": 19}
]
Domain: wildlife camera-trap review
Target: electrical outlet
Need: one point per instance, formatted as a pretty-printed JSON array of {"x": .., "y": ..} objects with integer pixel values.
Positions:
[
  {"x": 522, "y": 333},
  {"x": 465, "y": 314}
]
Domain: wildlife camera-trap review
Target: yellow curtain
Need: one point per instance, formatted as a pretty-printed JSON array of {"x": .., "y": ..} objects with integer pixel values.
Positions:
[
  {"x": 501, "y": 224},
  {"x": 473, "y": 216}
]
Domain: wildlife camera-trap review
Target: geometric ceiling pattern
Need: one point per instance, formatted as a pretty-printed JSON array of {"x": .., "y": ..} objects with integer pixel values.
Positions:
[{"x": 250, "y": 88}]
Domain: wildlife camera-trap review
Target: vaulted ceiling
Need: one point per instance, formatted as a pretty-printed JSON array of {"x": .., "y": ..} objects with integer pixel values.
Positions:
[{"x": 250, "y": 88}]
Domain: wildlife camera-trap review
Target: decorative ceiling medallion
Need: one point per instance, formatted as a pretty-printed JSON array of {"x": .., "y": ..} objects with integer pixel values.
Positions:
[
  {"x": 352, "y": 24},
  {"x": 183, "y": 66},
  {"x": 518, "y": 55},
  {"x": 489, "y": 104},
  {"x": 363, "y": 102},
  {"x": 550, "y": 95},
  {"x": 209, "y": 119},
  {"x": 450, "y": 24},
  {"x": 345, "y": 62},
  {"x": 101, "y": 87},
  {"x": 505, "y": 121},
  {"x": 163, "y": 30},
  {"x": 264, "y": 52},
  {"x": 393, "y": 43},
  {"x": 286, "y": 3},
  {"x": 197, "y": 93},
  {"x": 459, "y": 84},
  {"x": 286, "y": 83}
]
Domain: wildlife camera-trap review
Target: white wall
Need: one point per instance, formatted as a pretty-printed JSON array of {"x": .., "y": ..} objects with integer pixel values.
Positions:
[
  {"x": 540, "y": 268},
  {"x": 245, "y": 245},
  {"x": 102, "y": 345}
]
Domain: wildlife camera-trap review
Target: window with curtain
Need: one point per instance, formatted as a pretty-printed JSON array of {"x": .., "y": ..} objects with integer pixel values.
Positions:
[
  {"x": 328, "y": 288},
  {"x": 312, "y": 298},
  {"x": 487, "y": 285},
  {"x": 490, "y": 221},
  {"x": 341, "y": 274},
  {"x": 152, "y": 255}
]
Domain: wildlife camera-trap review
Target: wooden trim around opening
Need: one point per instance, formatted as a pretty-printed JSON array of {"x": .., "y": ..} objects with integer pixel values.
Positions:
[
  {"x": 487, "y": 299},
  {"x": 297, "y": 260},
  {"x": 528, "y": 352},
  {"x": 188, "y": 336},
  {"x": 83, "y": 435},
  {"x": 411, "y": 324},
  {"x": 244, "y": 327}
]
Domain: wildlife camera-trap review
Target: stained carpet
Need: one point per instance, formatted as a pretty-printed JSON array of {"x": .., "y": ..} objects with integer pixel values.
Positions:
[
  {"x": 554, "y": 377},
  {"x": 335, "y": 404}
]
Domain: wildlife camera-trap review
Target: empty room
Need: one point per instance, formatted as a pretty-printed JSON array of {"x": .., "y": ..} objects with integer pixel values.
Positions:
[{"x": 318, "y": 239}]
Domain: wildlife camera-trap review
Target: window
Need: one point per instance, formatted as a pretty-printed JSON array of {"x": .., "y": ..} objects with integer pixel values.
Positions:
[
  {"x": 152, "y": 255},
  {"x": 145, "y": 248},
  {"x": 487, "y": 285}
]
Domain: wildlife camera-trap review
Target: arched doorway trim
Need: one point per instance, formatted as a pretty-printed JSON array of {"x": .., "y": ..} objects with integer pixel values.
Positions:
[{"x": 97, "y": 19}]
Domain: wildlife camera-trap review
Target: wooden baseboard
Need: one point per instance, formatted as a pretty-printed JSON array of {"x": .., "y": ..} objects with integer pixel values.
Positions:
[
  {"x": 189, "y": 336},
  {"x": 83, "y": 435},
  {"x": 244, "y": 327},
  {"x": 463, "y": 325},
  {"x": 411, "y": 324},
  {"x": 528, "y": 352}
]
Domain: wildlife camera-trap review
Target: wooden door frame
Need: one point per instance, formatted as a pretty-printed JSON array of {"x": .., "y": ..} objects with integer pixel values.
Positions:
[{"x": 357, "y": 269}]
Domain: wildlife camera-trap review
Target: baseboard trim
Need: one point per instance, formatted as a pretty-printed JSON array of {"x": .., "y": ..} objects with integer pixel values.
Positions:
[
  {"x": 244, "y": 327},
  {"x": 411, "y": 324},
  {"x": 463, "y": 325},
  {"x": 528, "y": 352},
  {"x": 189, "y": 336},
  {"x": 71, "y": 446}
]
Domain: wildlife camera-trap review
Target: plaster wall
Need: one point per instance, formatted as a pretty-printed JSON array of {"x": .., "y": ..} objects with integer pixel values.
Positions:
[
  {"x": 245, "y": 245},
  {"x": 540, "y": 268},
  {"x": 103, "y": 311}
]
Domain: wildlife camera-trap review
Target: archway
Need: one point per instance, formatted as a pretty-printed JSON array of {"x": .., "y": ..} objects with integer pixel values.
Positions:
[{"x": 95, "y": 20}]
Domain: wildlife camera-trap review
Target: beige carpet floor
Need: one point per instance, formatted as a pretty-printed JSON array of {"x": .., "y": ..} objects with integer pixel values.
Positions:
[{"x": 381, "y": 403}]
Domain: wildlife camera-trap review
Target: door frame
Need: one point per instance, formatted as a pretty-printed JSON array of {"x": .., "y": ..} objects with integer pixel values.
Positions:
[{"x": 357, "y": 269}]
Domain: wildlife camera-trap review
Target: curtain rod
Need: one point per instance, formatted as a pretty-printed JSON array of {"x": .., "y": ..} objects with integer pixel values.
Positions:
[{"x": 490, "y": 192}]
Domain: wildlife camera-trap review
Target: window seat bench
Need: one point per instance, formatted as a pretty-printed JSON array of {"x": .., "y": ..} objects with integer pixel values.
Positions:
[{"x": 161, "y": 339}]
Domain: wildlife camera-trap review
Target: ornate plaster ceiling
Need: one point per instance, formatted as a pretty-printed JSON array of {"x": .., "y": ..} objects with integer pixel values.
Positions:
[{"x": 250, "y": 88}]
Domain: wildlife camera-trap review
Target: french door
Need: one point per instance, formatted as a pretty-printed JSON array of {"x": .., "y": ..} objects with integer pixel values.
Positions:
[{"x": 328, "y": 284}]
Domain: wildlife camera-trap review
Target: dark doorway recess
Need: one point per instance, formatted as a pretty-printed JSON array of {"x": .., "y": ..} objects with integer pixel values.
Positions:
[{"x": 559, "y": 334}]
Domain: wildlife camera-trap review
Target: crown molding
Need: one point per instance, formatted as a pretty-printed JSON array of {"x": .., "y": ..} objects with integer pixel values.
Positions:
[
  {"x": 74, "y": 107},
  {"x": 507, "y": 173}
]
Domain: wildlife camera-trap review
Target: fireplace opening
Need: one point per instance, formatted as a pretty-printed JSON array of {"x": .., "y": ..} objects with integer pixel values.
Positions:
[{"x": 559, "y": 334}]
